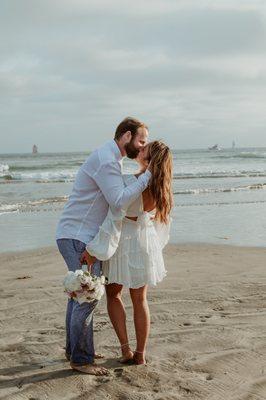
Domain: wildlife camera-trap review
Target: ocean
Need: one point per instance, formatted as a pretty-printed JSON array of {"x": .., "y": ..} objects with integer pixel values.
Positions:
[{"x": 220, "y": 196}]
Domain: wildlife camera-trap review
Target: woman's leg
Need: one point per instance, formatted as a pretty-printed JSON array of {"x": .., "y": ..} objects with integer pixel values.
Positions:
[
  {"x": 141, "y": 321},
  {"x": 117, "y": 314}
]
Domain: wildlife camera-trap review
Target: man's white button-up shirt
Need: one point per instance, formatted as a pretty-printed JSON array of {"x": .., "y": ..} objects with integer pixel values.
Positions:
[{"x": 98, "y": 184}]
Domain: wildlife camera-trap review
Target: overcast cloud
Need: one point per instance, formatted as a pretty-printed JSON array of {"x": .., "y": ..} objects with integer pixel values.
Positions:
[{"x": 70, "y": 70}]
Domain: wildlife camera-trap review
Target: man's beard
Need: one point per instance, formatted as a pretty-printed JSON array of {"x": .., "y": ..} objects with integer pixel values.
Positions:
[{"x": 131, "y": 150}]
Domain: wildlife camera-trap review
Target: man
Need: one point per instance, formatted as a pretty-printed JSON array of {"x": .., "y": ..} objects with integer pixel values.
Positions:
[{"x": 98, "y": 185}]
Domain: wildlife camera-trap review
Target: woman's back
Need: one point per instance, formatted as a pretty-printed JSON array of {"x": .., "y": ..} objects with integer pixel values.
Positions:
[
  {"x": 144, "y": 202},
  {"x": 148, "y": 201}
]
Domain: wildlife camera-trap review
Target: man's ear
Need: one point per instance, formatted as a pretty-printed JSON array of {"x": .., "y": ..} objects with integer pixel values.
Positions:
[{"x": 127, "y": 137}]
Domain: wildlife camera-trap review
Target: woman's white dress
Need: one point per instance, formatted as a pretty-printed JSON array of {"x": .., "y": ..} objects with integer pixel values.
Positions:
[{"x": 131, "y": 251}]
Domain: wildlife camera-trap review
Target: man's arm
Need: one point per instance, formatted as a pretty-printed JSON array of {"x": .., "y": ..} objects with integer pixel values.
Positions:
[{"x": 110, "y": 181}]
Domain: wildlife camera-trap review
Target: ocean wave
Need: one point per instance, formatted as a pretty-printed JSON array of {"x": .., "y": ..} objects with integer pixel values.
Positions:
[
  {"x": 220, "y": 174},
  {"x": 33, "y": 205},
  {"x": 41, "y": 167},
  {"x": 69, "y": 176},
  {"x": 40, "y": 177},
  {"x": 221, "y": 203},
  {"x": 255, "y": 186},
  {"x": 4, "y": 168},
  {"x": 243, "y": 154}
]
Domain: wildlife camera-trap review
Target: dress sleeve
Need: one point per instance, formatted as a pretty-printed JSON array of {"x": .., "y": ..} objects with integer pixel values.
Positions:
[{"x": 105, "y": 243}]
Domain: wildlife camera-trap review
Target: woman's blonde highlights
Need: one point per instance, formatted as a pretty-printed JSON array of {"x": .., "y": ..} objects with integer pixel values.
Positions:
[{"x": 161, "y": 167}]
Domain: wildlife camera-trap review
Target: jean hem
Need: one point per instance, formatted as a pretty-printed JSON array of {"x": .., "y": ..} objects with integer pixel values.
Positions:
[{"x": 83, "y": 362}]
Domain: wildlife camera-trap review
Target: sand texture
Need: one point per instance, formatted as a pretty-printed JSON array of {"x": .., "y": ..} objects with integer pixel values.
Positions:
[{"x": 208, "y": 332}]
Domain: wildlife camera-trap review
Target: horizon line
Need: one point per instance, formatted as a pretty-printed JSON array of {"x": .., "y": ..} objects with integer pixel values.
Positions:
[{"x": 173, "y": 149}]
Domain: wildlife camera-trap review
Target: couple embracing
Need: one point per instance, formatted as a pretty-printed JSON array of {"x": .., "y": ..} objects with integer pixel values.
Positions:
[{"x": 118, "y": 225}]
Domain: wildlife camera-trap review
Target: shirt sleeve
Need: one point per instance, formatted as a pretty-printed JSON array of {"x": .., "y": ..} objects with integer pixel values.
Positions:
[
  {"x": 110, "y": 181},
  {"x": 105, "y": 243}
]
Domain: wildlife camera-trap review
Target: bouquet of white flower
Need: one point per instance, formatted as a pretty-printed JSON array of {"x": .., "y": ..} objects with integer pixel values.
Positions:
[{"x": 82, "y": 286}]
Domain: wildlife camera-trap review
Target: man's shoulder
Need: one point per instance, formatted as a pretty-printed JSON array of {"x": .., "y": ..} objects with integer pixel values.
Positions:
[
  {"x": 101, "y": 157},
  {"x": 106, "y": 154}
]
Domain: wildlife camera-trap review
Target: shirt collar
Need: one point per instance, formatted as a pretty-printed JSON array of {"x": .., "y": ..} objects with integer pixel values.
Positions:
[{"x": 116, "y": 150}]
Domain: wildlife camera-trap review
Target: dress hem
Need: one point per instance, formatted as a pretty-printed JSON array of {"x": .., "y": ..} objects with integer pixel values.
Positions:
[{"x": 140, "y": 285}]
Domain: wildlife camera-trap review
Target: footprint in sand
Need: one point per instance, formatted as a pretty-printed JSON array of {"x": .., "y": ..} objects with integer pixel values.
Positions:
[
  {"x": 118, "y": 371},
  {"x": 203, "y": 317},
  {"x": 24, "y": 277}
]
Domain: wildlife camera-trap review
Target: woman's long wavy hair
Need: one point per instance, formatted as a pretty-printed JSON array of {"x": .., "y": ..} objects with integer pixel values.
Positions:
[{"x": 161, "y": 167}]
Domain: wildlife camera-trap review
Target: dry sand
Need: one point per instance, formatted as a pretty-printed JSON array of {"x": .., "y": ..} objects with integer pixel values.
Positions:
[{"x": 207, "y": 335}]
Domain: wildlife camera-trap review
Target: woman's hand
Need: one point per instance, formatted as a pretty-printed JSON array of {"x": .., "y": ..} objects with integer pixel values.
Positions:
[{"x": 86, "y": 258}]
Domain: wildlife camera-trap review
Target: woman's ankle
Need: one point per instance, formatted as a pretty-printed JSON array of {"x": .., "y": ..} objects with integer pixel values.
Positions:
[
  {"x": 125, "y": 348},
  {"x": 139, "y": 357}
]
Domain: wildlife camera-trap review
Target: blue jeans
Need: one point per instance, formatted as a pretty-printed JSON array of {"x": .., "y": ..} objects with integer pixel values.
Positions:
[{"x": 79, "y": 317}]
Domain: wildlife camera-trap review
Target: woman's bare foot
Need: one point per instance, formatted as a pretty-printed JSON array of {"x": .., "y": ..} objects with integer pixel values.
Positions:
[
  {"x": 91, "y": 369},
  {"x": 139, "y": 358},
  {"x": 127, "y": 354}
]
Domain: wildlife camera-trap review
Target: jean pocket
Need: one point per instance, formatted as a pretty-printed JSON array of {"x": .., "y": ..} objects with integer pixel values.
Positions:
[{"x": 79, "y": 246}]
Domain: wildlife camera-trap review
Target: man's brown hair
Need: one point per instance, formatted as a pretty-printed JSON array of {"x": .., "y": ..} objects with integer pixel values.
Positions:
[{"x": 128, "y": 124}]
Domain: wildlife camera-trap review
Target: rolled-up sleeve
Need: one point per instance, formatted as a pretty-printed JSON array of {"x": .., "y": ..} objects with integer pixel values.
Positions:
[{"x": 109, "y": 179}]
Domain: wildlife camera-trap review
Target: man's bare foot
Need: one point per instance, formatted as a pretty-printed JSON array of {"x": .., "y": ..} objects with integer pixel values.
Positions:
[
  {"x": 139, "y": 358},
  {"x": 90, "y": 369},
  {"x": 96, "y": 356},
  {"x": 127, "y": 354}
]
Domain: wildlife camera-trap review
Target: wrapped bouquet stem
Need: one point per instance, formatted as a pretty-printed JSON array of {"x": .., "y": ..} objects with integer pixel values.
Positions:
[{"x": 82, "y": 286}]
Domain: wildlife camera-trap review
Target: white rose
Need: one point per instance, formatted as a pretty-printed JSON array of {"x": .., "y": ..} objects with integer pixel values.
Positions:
[
  {"x": 71, "y": 283},
  {"x": 85, "y": 279},
  {"x": 99, "y": 291}
]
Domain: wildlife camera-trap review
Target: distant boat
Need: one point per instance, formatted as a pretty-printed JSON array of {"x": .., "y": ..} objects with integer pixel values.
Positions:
[
  {"x": 215, "y": 147},
  {"x": 34, "y": 149},
  {"x": 233, "y": 144}
]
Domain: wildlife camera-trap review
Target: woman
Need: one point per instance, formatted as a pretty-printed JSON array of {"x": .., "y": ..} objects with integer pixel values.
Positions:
[{"x": 131, "y": 244}]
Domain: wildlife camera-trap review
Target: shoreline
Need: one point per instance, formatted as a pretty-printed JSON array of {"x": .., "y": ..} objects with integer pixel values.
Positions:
[
  {"x": 208, "y": 329},
  {"x": 44, "y": 249}
]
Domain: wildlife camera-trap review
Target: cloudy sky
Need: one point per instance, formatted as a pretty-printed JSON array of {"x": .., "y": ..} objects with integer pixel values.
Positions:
[{"x": 70, "y": 70}]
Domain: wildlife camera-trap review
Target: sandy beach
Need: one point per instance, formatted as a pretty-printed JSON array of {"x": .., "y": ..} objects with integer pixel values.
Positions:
[{"x": 207, "y": 335}]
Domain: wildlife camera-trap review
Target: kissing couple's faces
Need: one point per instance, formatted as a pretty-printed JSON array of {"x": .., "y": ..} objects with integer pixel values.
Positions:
[
  {"x": 143, "y": 157},
  {"x": 136, "y": 144}
]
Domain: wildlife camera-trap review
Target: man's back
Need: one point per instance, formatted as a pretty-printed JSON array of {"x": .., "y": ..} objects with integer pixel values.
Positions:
[{"x": 87, "y": 207}]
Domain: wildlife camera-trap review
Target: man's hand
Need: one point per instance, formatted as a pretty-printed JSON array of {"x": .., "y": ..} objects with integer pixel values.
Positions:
[{"x": 86, "y": 258}]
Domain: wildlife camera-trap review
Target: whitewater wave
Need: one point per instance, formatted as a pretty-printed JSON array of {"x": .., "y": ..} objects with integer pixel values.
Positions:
[
  {"x": 33, "y": 205},
  {"x": 4, "y": 168},
  {"x": 255, "y": 186},
  {"x": 69, "y": 176},
  {"x": 40, "y": 177},
  {"x": 220, "y": 174}
]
